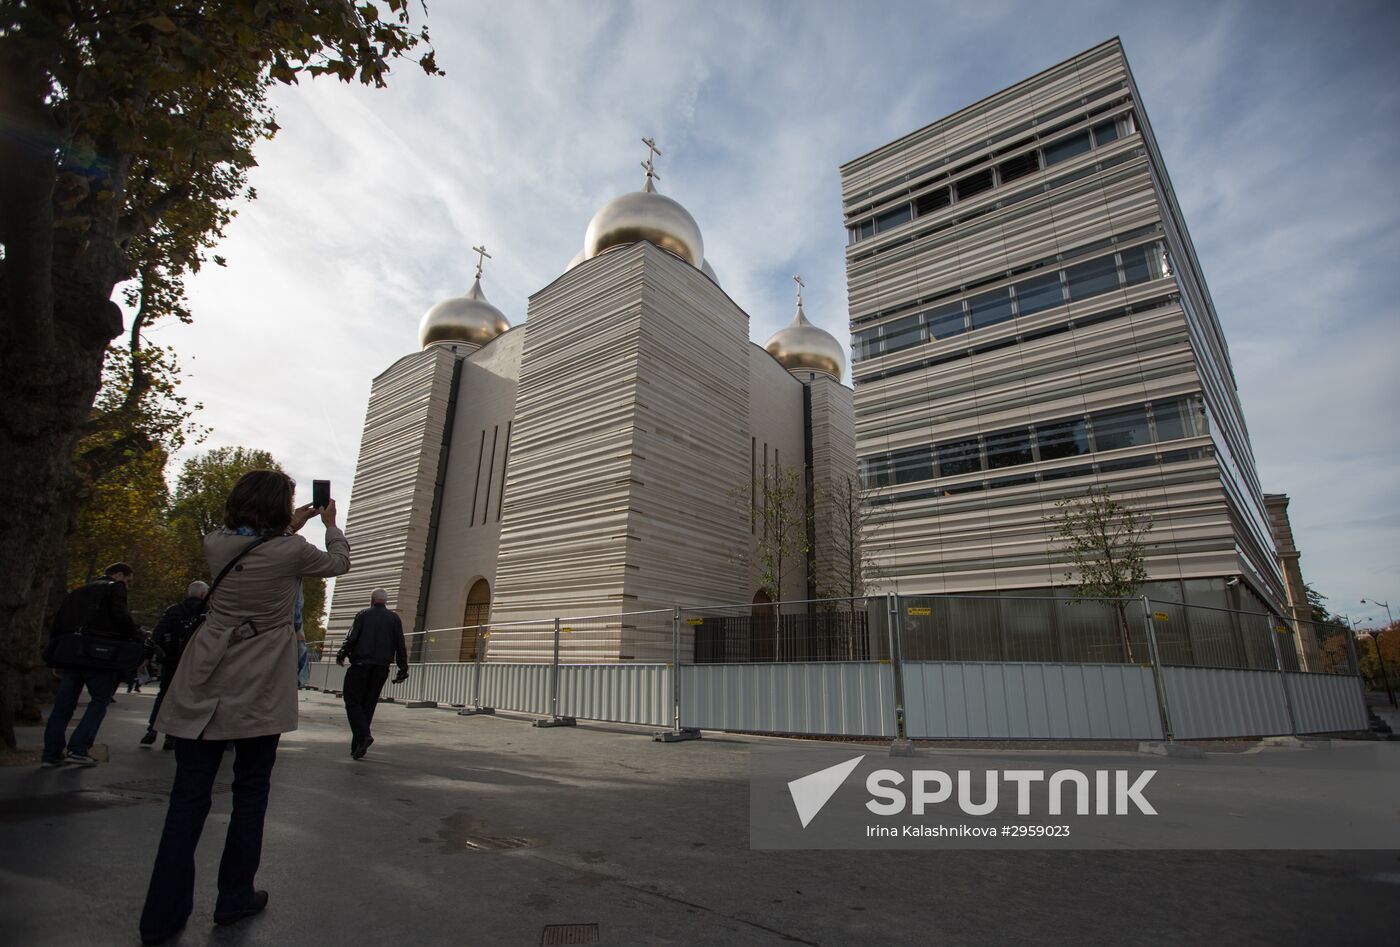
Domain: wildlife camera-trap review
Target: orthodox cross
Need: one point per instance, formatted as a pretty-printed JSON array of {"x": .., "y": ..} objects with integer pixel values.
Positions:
[
  {"x": 481, "y": 257},
  {"x": 800, "y": 284},
  {"x": 652, "y": 152}
]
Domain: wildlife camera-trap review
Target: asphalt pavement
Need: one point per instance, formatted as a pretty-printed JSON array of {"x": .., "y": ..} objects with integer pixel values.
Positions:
[{"x": 485, "y": 830}]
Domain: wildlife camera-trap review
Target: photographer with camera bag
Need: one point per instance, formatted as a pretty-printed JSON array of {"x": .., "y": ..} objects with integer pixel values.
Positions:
[{"x": 93, "y": 643}]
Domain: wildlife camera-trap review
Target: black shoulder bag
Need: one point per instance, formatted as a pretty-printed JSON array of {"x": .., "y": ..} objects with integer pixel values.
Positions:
[
  {"x": 198, "y": 619},
  {"x": 81, "y": 651}
]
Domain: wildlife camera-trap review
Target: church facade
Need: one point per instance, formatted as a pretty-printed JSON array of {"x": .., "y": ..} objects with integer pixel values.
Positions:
[{"x": 607, "y": 457}]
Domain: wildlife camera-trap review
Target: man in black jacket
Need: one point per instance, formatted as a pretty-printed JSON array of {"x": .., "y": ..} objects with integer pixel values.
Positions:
[
  {"x": 375, "y": 639},
  {"x": 98, "y": 609},
  {"x": 170, "y": 635}
]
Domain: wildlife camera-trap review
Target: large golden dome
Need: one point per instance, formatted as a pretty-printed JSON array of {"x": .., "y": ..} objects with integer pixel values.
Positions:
[
  {"x": 803, "y": 347},
  {"x": 645, "y": 215},
  {"x": 469, "y": 320}
]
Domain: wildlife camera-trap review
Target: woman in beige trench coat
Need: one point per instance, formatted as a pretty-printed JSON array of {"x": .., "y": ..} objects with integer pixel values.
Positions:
[{"x": 236, "y": 682}]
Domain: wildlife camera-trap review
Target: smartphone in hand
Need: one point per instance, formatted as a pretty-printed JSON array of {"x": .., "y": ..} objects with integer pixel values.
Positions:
[{"x": 320, "y": 494}]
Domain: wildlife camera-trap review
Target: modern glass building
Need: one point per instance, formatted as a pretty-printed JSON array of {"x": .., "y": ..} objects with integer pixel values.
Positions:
[{"x": 1029, "y": 319}]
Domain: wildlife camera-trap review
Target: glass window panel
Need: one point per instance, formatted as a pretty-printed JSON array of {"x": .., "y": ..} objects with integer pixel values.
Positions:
[
  {"x": 913, "y": 464},
  {"x": 891, "y": 219},
  {"x": 1091, "y": 278},
  {"x": 1106, "y": 132},
  {"x": 945, "y": 321},
  {"x": 990, "y": 308},
  {"x": 1065, "y": 473},
  {"x": 974, "y": 184},
  {"x": 877, "y": 471},
  {"x": 1039, "y": 294},
  {"x": 1016, "y": 481},
  {"x": 934, "y": 201},
  {"x": 959, "y": 457},
  {"x": 1128, "y": 463},
  {"x": 973, "y": 487},
  {"x": 1062, "y": 439},
  {"x": 1008, "y": 448},
  {"x": 1066, "y": 148},
  {"x": 867, "y": 229},
  {"x": 903, "y": 333},
  {"x": 1137, "y": 265},
  {"x": 1121, "y": 427},
  {"x": 866, "y": 344},
  {"x": 1170, "y": 420},
  {"x": 1019, "y": 166}
]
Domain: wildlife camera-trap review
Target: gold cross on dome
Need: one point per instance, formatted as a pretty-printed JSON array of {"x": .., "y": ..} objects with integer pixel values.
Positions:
[
  {"x": 652, "y": 153},
  {"x": 481, "y": 257},
  {"x": 800, "y": 284}
]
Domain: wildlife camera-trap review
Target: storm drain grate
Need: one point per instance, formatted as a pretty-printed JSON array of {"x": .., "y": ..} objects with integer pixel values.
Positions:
[
  {"x": 557, "y": 935},
  {"x": 159, "y": 786}
]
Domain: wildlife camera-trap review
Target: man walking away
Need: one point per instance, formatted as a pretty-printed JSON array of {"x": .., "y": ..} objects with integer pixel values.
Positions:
[
  {"x": 375, "y": 639},
  {"x": 171, "y": 634},
  {"x": 98, "y": 609}
]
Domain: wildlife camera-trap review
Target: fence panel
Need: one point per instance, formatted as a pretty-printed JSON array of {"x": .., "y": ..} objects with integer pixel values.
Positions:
[
  {"x": 951, "y": 700},
  {"x": 1223, "y": 702},
  {"x": 621, "y": 693},
  {"x": 1327, "y": 703},
  {"x": 519, "y": 687},
  {"x": 834, "y": 698}
]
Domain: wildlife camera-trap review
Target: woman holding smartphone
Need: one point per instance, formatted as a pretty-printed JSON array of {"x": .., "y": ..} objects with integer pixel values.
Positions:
[{"x": 236, "y": 685}]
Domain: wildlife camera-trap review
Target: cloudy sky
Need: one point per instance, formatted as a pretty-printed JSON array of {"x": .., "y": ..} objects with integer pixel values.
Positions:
[{"x": 1279, "y": 122}]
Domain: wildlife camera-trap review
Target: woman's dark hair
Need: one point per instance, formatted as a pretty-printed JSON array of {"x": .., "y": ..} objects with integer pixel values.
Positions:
[{"x": 261, "y": 500}]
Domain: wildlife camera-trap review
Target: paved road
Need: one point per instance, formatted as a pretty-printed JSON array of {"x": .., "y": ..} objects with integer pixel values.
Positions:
[{"x": 460, "y": 831}]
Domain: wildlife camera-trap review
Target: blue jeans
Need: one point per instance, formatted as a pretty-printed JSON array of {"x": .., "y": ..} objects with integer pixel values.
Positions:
[
  {"x": 101, "y": 685},
  {"x": 170, "y": 897}
]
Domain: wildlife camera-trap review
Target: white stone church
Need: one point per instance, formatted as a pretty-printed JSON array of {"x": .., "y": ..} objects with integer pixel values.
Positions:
[{"x": 596, "y": 460}]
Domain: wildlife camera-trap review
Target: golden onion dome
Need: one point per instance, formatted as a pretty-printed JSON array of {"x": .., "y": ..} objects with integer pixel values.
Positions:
[
  {"x": 803, "y": 347},
  {"x": 645, "y": 215},
  {"x": 469, "y": 320}
]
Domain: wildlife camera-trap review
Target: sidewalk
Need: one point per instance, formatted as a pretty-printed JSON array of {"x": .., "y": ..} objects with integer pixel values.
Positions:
[{"x": 482, "y": 831}]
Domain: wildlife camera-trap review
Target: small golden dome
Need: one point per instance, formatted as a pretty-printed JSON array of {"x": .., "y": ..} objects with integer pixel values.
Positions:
[
  {"x": 645, "y": 215},
  {"x": 469, "y": 320},
  {"x": 803, "y": 347}
]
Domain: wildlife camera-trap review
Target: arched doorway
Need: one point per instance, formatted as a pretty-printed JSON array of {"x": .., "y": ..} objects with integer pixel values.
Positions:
[{"x": 477, "y": 612}]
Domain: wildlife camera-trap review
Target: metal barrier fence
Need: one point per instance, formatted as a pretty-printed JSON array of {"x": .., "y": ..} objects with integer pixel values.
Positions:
[{"x": 1009, "y": 666}]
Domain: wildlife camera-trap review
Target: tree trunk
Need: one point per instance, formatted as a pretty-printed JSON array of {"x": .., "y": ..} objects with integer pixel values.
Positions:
[
  {"x": 1123, "y": 633},
  {"x": 46, "y": 404}
]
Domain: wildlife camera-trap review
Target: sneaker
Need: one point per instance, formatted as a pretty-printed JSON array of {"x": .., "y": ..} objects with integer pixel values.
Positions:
[
  {"x": 357, "y": 752},
  {"x": 149, "y": 738},
  {"x": 51, "y": 764},
  {"x": 81, "y": 759}
]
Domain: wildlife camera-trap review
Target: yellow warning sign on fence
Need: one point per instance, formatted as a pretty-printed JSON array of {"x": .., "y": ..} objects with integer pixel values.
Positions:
[
  {"x": 566, "y": 630},
  {"x": 920, "y": 612},
  {"x": 1160, "y": 616},
  {"x": 1281, "y": 629},
  {"x": 695, "y": 621}
]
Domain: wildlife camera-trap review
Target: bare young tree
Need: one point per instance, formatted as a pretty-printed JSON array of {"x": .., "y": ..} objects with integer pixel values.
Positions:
[
  {"x": 846, "y": 569},
  {"x": 778, "y": 510},
  {"x": 1104, "y": 540}
]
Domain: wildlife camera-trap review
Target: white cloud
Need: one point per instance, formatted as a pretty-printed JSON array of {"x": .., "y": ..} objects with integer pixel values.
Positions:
[{"x": 1278, "y": 125}]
